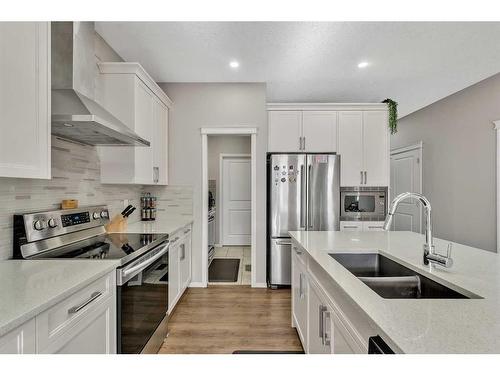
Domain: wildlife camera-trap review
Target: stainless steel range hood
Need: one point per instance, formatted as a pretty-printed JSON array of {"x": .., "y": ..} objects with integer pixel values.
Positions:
[{"x": 75, "y": 114}]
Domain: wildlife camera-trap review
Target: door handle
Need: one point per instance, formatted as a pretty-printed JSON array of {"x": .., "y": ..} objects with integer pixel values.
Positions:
[
  {"x": 283, "y": 243},
  {"x": 308, "y": 208},
  {"x": 303, "y": 191},
  {"x": 92, "y": 298}
]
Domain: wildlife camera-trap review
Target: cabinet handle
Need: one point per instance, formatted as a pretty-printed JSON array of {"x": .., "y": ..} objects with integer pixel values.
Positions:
[
  {"x": 187, "y": 231},
  {"x": 300, "y": 286},
  {"x": 326, "y": 335},
  {"x": 365, "y": 177},
  {"x": 321, "y": 332},
  {"x": 350, "y": 226},
  {"x": 361, "y": 174},
  {"x": 300, "y": 143},
  {"x": 283, "y": 243},
  {"x": 183, "y": 251},
  {"x": 297, "y": 251},
  {"x": 304, "y": 143},
  {"x": 92, "y": 298},
  {"x": 374, "y": 227},
  {"x": 156, "y": 174}
]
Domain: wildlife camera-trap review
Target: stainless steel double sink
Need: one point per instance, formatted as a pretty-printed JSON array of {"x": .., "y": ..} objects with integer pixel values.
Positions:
[{"x": 392, "y": 280}]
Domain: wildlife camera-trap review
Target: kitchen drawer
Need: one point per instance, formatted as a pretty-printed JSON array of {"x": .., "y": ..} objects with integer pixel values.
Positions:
[
  {"x": 349, "y": 226},
  {"x": 57, "y": 320},
  {"x": 299, "y": 253}
]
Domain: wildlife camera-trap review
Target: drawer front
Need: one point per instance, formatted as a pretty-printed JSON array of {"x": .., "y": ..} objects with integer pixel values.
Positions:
[
  {"x": 373, "y": 226},
  {"x": 60, "y": 318},
  {"x": 351, "y": 226}
]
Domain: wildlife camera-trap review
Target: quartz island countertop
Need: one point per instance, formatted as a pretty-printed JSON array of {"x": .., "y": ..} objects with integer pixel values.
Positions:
[{"x": 419, "y": 325}]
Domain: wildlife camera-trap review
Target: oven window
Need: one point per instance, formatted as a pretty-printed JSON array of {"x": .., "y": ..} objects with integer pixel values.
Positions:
[
  {"x": 359, "y": 203},
  {"x": 143, "y": 303}
]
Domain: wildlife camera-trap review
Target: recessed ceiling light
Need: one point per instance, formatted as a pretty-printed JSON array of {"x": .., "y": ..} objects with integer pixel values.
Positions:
[
  {"x": 234, "y": 64},
  {"x": 363, "y": 64}
]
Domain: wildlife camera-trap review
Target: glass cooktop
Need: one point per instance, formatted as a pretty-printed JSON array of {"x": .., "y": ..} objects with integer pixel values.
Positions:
[{"x": 107, "y": 246}]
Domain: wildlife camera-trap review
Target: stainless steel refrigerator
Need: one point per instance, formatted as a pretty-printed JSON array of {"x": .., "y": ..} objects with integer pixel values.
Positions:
[{"x": 303, "y": 194}]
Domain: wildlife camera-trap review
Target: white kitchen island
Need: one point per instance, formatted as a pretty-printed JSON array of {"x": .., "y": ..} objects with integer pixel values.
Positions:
[{"x": 356, "y": 312}]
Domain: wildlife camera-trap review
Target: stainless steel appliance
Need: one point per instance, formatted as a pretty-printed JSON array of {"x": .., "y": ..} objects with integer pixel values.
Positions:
[
  {"x": 363, "y": 203},
  {"x": 211, "y": 235},
  {"x": 142, "y": 273},
  {"x": 75, "y": 115},
  {"x": 304, "y": 194}
]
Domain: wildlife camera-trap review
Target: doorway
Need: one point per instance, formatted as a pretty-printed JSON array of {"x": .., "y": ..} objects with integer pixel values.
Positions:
[
  {"x": 406, "y": 175},
  {"x": 228, "y": 169}
]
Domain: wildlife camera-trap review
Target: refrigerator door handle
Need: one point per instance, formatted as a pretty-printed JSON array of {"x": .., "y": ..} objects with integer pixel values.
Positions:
[{"x": 303, "y": 191}]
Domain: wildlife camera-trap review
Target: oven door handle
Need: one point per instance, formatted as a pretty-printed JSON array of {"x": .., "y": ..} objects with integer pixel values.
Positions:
[{"x": 146, "y": 263}]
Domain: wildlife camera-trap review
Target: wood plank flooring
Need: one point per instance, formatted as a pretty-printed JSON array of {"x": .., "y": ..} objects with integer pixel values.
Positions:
[{"x": 222, "y": 319}]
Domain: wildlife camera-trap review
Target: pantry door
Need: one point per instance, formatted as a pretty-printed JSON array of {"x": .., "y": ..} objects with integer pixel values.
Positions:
[
  {"x": 236, "y": 200},
  {"x": 406, "y": 176}
]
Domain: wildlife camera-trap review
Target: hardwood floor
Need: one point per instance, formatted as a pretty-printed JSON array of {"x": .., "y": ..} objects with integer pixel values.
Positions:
[{"x": 222, "y": 319}]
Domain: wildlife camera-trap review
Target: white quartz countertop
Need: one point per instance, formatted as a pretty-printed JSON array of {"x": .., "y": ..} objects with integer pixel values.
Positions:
[
  {"x": 28, "y": 287},
  {"x": 420, "y": 325},
  {"x": 169, "y": 225}
]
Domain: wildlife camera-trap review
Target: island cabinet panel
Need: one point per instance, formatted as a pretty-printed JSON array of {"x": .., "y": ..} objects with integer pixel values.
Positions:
[
  {"x": 25, "y": 100},
  {"x": 299, "y": 297},
  {"x": 331, "y": 323},
  {"x": 20, "y": 340}
]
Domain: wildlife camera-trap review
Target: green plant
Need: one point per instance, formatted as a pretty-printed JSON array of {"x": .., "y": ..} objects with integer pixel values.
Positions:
[{"x": 393, "y": 114}]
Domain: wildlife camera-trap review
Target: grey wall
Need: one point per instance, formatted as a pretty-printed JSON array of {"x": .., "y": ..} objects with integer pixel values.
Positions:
[
  {"x": 459, "y": 155},
  {"x": 217, "y": 145},
  {"x": 199, "y": 105}
]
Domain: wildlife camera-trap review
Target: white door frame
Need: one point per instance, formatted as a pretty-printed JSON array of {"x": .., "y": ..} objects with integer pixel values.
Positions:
[
  {"x": 205, "y": 132},
  {"x": 220, "y": 187},
  {"x": 417, "y": 146},
  {"x": 496, "y": 127}
]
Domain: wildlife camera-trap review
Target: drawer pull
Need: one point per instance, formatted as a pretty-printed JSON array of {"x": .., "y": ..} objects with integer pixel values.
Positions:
[
  {"x": 187, "y": 231},
  {"x": 92, "y": 298},
  {"x": 351, "y": 226}
]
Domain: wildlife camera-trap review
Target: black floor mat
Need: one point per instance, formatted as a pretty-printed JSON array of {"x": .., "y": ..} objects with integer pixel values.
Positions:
[{"x": 224, "y": 270}]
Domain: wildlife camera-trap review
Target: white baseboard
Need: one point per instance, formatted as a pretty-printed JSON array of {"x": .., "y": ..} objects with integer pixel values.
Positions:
[
  {"x": 197, "y": 284},
  {"x": 259, "y": 285}
]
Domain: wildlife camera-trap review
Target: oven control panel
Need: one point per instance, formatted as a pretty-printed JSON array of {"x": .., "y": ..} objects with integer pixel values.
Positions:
[{"x": 42, "y": 225}]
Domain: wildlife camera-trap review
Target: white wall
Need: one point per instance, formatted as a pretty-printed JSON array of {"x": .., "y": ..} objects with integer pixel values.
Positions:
[
  {"x": 217, "y": 145},
  {"x": 459, "y": 161},
  {"x": 201, "y": 105}
]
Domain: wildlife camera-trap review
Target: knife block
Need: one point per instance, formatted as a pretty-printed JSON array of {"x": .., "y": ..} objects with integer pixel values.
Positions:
[{"x": 117, "y": 224}]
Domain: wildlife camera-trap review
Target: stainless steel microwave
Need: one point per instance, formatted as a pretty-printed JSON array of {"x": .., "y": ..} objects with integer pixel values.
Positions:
[{"x": 363, "y": 203}]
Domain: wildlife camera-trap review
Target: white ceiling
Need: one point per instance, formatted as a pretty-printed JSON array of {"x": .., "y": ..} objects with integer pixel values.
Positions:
[{"x": 413, "y": 63}]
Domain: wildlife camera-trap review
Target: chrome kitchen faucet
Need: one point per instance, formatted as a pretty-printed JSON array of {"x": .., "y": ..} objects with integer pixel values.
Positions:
[{"x": 429, "y": 252}]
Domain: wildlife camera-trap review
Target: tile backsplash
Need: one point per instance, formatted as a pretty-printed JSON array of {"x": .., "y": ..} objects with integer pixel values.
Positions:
[{"x": 76, "y": 175}]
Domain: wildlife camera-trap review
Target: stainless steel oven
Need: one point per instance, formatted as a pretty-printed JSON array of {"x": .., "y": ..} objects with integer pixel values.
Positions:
[
  {"x": 143, "y": 302},
  {"x": 359, "y": 203}
]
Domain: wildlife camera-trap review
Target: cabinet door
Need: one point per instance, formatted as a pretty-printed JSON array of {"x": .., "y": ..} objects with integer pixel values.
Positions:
[
  {"x": 319, "y": 326},
  {"x": 319, "y": 129},
  {"x": 173, "y": 276},
  {"x": 343, "y": 341},
  {"x": 351, "y": 226},
  {"x": 351, "y": 147},
  {"x": 160, "y": 142},
  {"x": 376, "y": 148},
  {"x": 299, "y": 299},
  {"x": 20, "y": 340},
  {"x": 373, "y": 226},
  {"x": 25, "y": 99},
  {"x": 144, "y": 172},
  {"x": 285, "y": 130}
]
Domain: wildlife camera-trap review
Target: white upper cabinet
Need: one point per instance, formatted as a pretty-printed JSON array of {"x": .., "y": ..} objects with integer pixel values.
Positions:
[
  {"x": 364, "y": 148},
  {"x": 25, "y": 99},
  {"x": 130, "y": 94},
  {"x": 302, "y": 131},
  {"x": 284, "y": 129},
  {"x": 376, "y": 148},
  {"x": 319, "y": 131},
  {"x": 351, "y": 148}
]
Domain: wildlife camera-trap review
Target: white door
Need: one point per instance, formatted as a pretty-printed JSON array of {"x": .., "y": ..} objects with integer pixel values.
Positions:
[
  {"x": 376, "y": 148},
  {"x": 285, "y": 130},
  {"x": 319, "y": 129},
  {"x": 406, "y": 175},
  {"x": 351, "y": 147},
  {"x": 236, "y": 201}
]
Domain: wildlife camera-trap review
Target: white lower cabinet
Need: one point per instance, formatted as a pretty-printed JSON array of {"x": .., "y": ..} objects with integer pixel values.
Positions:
[
  {"x": 179, "y": 265},
  {"x": 299, "y": 296},
  {"x": 321, "y": 324},
  {"x": 83, "y": 323},
  {"x": 20, "y": 340}
]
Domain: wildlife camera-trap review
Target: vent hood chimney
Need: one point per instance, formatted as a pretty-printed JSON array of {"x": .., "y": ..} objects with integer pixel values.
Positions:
[{"x": 75, "y": 114}]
